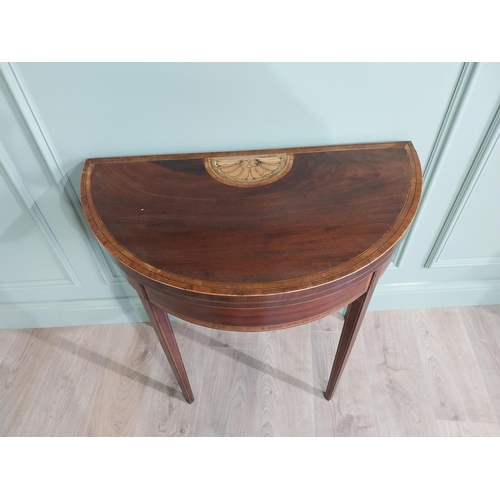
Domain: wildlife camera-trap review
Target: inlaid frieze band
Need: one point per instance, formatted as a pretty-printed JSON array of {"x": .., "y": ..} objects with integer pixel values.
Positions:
[{"x": 249, "y": 171}]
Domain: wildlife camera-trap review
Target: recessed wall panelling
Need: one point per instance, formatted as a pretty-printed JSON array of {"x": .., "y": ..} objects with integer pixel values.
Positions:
[
  {"x": 465, "y": 134},
  {"x": 24, "y": 245},
  {"x": 24, "y": 117},
  {"x": 475, "y": 238},
  {"x": 45, "y": 201},
  {"x": 448, "y": 124},
  {"x": 18, "y": 143},
  {"x": 56, "y": 115}
]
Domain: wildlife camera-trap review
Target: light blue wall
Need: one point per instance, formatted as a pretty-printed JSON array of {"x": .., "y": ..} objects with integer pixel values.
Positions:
[{"x": 54, "y": 116}]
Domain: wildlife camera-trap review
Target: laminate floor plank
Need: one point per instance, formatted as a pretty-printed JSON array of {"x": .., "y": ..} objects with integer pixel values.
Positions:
[
  {"x": 22, "y": 371},
  {"x": 398, "y": 386},
  {"x": 454, "y": 428},
  {"x": 237, "y": 340},
  {"x": 332, "y": 323},
  {"x": 113, "y": 408},
  {"x": 483, "y": 327},
  {"x": 350, "y": 412},
  {"x": 259, "y": 392},
  {"x": 163, "y": 411},
  {"x": 410, "y": 373},
  {"x": 284, "y": 402},
  {"x": 63, "y": 396},
  {"x": 6, "y": 338},
  {"x": 227, "y": 397},
  {"x": 457, "y": 389},
  {"x": 222, "y": 338},
  {"x": 241, "y": 401}
]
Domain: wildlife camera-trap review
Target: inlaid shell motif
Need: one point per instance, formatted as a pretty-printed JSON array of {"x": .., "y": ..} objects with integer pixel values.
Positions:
[{"x": 249, "y": 171}]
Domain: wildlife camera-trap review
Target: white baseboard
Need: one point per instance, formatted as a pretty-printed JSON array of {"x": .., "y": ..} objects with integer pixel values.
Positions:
[
  {"x": 72, "y": 313},
  {"x": 434, "y": 294},
  {"x": 130, "y": 310}
]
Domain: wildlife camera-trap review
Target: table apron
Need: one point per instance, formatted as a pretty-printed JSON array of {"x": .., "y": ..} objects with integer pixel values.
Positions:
[{"x": 255, "y": 313}]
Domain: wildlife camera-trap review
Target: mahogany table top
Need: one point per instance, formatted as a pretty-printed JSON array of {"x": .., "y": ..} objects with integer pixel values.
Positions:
[{"x": 253, "y": 222}]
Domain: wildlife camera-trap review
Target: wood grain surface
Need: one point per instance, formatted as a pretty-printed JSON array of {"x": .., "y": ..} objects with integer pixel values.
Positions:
[
  {"x": 6, "y": 339},
  {"x": 407, "y": 371},
  {"x": 65, "y": 391},
  {"x": 453, "y": 428},
  {"x": 113, "y": 406},
  {"x": 483, "y": 326},
  {"x": 337, "y": 210},
  {"x": 162, "y": 410},
  {"x": 285, "y": 398},
  {"x": 238, "y": 340},
  {"x": 351, "y": 410},
  {"x": 230, "y": 371},
  {"x": 22, "y": 372},
  {"x": 400, "y": 392},
  {"x": 457, "y": 387}
]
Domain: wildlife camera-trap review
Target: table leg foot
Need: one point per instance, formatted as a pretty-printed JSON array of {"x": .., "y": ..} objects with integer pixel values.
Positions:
[
  {"x": 353, "y": 318},
  {"x": 163, "y": 328}
]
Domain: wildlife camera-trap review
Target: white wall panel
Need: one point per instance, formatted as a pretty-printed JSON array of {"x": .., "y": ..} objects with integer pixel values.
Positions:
[
  {"x": 23, "y": 242},
  {"x": 475, "y": 236}
]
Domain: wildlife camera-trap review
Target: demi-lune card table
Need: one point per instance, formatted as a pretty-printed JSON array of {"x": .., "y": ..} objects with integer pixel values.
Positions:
[{"x": 254, "y": 240}]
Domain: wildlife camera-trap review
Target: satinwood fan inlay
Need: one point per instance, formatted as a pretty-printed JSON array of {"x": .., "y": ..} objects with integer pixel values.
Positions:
[{"x": 249, "y": 171}]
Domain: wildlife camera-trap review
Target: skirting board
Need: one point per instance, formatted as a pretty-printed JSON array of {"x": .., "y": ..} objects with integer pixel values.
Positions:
[
  {"x": 424, "y": 295},
  {"x": 130, "y": 310}
]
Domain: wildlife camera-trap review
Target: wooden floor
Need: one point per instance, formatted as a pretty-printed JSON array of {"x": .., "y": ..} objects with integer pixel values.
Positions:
[{"x": 431, "y": 372}]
